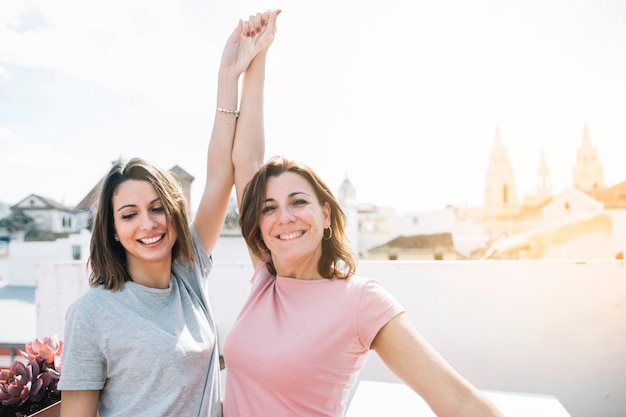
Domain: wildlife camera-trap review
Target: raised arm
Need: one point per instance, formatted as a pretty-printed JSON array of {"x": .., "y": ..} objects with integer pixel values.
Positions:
[
  {"x": 408, "y": 355},
  {"x": 249, "y": 146},
  {"x": 241, "y": 47}
]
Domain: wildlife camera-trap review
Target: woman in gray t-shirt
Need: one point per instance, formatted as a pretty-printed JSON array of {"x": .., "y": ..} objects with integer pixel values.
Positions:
[{"x": 142, "y": 341}]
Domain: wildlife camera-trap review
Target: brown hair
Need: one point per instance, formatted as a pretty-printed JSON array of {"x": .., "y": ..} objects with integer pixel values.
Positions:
[
  {"x": 107, "y": 257},
  {"x": 338, "y": 259}
]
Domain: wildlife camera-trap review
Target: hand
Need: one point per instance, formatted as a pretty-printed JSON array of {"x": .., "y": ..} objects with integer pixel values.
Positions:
[{"x": 248, "y": 40}]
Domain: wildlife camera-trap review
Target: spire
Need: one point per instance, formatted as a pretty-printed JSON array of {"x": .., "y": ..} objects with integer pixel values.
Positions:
[
  {"x": 586, "y": 141},
  {"x": 543, "y": 165},
  {"x": 498, "y": 140},
  {"x": 543, "y": 174}
]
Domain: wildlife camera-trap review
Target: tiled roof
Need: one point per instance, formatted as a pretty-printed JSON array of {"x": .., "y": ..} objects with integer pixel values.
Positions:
[
  {"x": 19, "y": 294},
  {"x": 50, "y": 203},
  {"x": 19, "y": 322},
  {"x": 90, "y": 199},
  {"x": 612, "y": 197},
  {"x": 437, "y": 241},
  {"x": 181, "y": 173}
]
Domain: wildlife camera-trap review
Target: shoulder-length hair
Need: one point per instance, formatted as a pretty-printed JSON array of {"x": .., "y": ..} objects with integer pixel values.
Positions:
[
  {"x": 107, "y": 257},
  {"x": 337, "y": 260}
]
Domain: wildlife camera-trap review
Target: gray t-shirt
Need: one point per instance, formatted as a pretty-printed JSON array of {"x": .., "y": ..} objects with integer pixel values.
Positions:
[{"x": 152, "y": 352}]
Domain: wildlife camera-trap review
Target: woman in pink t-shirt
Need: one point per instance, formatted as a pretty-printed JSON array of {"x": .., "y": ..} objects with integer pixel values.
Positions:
[{"x": 305, "y": 331}]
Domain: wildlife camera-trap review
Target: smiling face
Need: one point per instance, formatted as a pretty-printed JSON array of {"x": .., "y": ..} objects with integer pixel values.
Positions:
[
  {"x": 292, "y": 224},
  {"x": 142, "y": 228}
]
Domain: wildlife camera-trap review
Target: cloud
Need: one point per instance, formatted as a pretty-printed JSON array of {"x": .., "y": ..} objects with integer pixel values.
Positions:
[{"x": 142, "y": 46}]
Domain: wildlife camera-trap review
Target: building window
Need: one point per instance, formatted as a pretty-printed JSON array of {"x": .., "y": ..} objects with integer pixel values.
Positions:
[
  {"x": 76, "y": 252},
  {"x": 566, "y": 205},
  {"x": 438, "y": 257},
  {"x": 505, "y": 195},
  {"x": 393, "y": 257}
]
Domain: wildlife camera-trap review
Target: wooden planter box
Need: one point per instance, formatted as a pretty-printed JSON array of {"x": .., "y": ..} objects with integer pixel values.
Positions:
[{"x": 53, "y": 410}]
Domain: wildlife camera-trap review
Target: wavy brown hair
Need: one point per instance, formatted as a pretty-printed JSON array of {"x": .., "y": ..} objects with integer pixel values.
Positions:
[
  {"x": 337, "y": 260},
  {"x": 107, "y": 257}
]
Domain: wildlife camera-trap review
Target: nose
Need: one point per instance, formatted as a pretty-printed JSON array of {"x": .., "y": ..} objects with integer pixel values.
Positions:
[
  {"x": 285, "y": 215},
  {"x": 147, "y": 222}
]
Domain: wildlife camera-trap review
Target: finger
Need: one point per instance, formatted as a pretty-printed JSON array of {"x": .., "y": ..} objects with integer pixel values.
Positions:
[
  {"x": 258, "y": 22},
  {"x": 251, "y": 25},
  {"x": 246, "y": 29},
  {"x": 271, "y": 25},
  {"x": 265, "y": 17}
]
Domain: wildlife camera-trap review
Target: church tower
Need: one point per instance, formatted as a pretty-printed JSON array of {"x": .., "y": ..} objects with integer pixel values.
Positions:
[
  {"x": 347, "y": 192},
  {"x": 501, "y": 205},
  {"x": 347, "y": 200},
  {"x": 588, "y": 169},
  {"x": 544, "y": 182}
]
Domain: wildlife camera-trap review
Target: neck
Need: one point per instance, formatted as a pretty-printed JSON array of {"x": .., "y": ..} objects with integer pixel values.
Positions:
[{"x": 154, "y": 275}]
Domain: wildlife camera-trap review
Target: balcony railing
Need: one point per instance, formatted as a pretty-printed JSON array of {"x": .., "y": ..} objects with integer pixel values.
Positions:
[{"x": 552, "y": 328}]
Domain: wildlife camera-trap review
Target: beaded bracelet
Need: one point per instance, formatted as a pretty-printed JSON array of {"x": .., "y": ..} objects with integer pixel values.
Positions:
[{"x": 229, "y": 111}]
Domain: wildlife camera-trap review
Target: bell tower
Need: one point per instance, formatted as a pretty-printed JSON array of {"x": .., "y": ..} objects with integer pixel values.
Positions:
[
  {"x": 588, "y": 174},
  {"x": 501, "y": 205}
]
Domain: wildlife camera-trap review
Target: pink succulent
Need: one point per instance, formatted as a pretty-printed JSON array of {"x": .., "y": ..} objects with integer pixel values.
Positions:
[
  {"x": 31, "y": 380},
  {"x": 22, "y": 382},
  {"x": 46, "y": 350}
]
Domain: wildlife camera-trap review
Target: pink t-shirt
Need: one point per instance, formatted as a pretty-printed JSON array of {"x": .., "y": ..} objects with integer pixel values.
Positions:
[{"x": 298, "y": 345}]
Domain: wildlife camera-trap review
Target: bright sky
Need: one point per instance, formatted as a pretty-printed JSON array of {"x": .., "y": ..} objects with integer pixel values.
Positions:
[{"x": 402, "y": 98}]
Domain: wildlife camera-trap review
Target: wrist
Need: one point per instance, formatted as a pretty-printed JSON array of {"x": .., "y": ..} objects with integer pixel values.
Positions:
[{"x": 227, "y": 75}]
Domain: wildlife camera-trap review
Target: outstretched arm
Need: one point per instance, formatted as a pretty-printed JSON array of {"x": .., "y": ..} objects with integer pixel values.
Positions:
[
  {"x": 249, "y": 146},
  {"x": 408, "y": 355},
  {"x": 238, "y": 52}
]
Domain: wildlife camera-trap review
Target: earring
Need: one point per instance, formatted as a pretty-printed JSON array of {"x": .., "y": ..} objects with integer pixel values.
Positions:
[
  {"x": 330, "y": 233},
  {"x": 116, "y": 238}
]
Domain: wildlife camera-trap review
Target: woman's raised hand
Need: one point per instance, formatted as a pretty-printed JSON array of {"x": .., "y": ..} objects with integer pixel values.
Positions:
[{"x": 248, "y": 39}]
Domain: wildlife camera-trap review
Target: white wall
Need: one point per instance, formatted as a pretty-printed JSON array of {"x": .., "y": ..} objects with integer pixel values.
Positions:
[
  {"x": 19, "y": 267},
  {"x": 546, "y": 327},
  {"x": 618, "y": 220}
]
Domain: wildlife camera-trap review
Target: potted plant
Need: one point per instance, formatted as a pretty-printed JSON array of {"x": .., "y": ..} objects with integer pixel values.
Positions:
[{"x": 29, "y": 387}]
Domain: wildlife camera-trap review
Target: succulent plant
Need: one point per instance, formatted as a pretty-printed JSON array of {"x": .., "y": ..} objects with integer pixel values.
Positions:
[
  {"x": 47, "y": 352},
  {"x": 33, "y": 378}
]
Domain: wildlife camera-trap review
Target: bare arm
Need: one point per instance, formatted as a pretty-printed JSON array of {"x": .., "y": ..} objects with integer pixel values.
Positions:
[
  {"x": 408, "y": 355},
  {"x": 82, "y": 403},
  {"x": 239, "y": 51},
  {"x": 249, "y": 146}
]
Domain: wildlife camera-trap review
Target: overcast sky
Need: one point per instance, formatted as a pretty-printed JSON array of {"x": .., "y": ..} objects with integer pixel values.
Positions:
[{"x": 403, "y": 99}]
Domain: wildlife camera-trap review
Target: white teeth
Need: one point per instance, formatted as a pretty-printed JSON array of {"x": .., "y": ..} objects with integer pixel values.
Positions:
[
  {"x": 289, "y": 236},
  {"x": 151, "y": 240}
]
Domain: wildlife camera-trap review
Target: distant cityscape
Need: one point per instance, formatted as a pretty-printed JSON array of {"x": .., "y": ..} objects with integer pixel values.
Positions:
[{"x": 587, "y": 220}]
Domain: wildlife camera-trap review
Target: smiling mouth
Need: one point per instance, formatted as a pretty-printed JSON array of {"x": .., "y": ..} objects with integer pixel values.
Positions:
[
  {"x": 151, "y": 240},
  {"x": 290, "y": 235}
]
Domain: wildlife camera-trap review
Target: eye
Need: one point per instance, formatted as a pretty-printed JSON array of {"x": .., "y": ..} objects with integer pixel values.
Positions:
[
  {"x": 267, "y": 209},
  {"x": 127, "y": 216},
  {"x": 158, "y": 209},
  {"x": 300, "y": 202}
]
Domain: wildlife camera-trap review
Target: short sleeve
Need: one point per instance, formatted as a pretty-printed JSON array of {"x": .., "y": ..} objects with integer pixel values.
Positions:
[
  {"x": 81, "y": 354},
  {"x": 376, "y": 308}
]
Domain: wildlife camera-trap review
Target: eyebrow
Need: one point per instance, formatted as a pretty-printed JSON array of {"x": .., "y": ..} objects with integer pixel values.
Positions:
[
  {"x": 291, "y": 195},
  {"x": 135, "y": 205}
]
